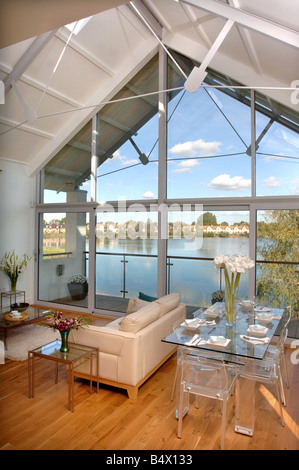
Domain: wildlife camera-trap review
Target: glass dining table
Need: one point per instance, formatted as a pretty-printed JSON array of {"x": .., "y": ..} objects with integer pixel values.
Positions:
[{"x": 248, "y": 339}]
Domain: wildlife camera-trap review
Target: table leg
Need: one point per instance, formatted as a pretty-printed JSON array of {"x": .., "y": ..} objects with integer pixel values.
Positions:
[
  {"x": 70, "y": 374},
  {"x": 90, "y": 371},
  {"x": 98, "y": 371},
  {"x": 245, "y": 404},
  {"x": 29, "y": 376},
  {"x": 56, "y": 372}
]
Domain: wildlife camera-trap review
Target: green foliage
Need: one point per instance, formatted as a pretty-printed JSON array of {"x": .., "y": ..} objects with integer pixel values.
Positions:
[{"x": 278, "y": 235}]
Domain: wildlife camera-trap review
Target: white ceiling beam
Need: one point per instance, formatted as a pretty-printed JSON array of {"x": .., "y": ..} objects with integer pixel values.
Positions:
[
  {"x": 146, "y": 14},
  {"x": 198, "y": 27},
  {"x": 82, "y": 116},
  {"x": 248, "y": 44},
  {"x": 249, "y": 20},
  {"x": 27, "y": 58},
  {"x": 198, "y": 74}
]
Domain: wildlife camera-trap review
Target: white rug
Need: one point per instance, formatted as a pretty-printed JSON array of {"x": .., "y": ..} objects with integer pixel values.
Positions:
[{"x": 22, "y": 340}]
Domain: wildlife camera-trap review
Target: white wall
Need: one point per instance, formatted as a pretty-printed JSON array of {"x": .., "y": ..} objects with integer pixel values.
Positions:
[{"x": 17, "y": 196}]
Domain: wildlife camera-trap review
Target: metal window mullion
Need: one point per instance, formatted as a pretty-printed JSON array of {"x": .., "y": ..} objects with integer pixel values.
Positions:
[{"x": 162, "y": 175}]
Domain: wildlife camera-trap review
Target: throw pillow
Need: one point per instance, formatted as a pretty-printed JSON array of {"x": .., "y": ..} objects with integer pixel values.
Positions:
[{"x": 146, "y": 297}]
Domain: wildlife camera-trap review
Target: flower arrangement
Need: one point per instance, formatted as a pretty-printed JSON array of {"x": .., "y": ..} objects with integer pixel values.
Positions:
[
  {"x": 12, "y": 267},
  {"x": 238, "y": 265},
  {"x": 78, "y": 279},
  {"x": 64, "y": 326},
  {"x": 55, "y": 321}
]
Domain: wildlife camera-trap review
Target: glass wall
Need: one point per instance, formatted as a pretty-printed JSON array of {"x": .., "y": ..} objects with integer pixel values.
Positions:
[
  {"x": 62, "y": 259},
  {"x": 212, "y": 157}
]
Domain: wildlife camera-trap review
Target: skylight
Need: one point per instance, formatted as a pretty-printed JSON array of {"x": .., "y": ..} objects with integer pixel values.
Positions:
[{"x": 78, "y": 25}]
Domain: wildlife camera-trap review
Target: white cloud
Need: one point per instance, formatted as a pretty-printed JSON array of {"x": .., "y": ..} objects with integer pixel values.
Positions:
[
  {"x": 270, "y": 158},
  {"x": 186, "y": 166},
  {"x": 227, "y": 183},
  {"x": 130, "y": 162},
  {"x": 271, "y": 182},
  {"x": 148, "y": 195},
  {"x": 196, "y": 148}
]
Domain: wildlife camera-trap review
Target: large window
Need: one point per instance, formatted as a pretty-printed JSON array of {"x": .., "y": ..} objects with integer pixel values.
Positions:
[
  {"x": 126, "y": 256},
  {"x": 62, "y": 258},
  {"x": 190, "y": 260},
  {"x": 208, "y": 146},
  {"x": 224, "y": 150}
]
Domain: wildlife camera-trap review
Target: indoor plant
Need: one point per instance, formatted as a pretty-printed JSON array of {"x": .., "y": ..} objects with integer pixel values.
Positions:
[
  {"x": 64, "y": 326},
  {"x": 78, "y": 287},
  {"x": 238, "y": 264},
  {"x": 11, "y": 266}
]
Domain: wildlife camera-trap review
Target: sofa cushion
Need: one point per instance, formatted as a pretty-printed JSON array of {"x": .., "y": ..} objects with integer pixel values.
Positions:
[
  {"x": 135, "y": 304},
  {"x": 168, "y": 302},
  {"x": 138, "y": 320},
  {"x": 146, "y": 297}
]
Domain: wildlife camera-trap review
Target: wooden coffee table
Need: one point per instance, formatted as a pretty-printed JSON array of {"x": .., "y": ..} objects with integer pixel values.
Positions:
[{"x": 30, "y": 316}]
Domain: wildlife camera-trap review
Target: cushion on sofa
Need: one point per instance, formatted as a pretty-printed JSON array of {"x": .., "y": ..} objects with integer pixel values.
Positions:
[
  {"x": 135, "y": 304},
  {"x": 146, "y": 297},
  {"x": 168, "y": 302},
  {"x": 138, "y": 320}
]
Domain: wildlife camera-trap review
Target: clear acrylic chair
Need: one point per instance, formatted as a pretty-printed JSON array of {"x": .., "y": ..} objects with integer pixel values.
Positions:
[
  {"x": 204, "y": 376},
  {"x": 175, "y": 326},
  {"x": 268, "y": 369}
]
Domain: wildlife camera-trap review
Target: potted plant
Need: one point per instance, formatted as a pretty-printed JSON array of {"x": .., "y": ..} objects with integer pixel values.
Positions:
[
  {"x": 12, "y": 267},
  {"x": 218, "y": 296},
  {"x": 78, "y": 287}
]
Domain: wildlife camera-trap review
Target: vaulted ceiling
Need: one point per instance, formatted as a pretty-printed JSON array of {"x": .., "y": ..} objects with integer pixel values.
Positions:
[{"x": 56, "y": 81}]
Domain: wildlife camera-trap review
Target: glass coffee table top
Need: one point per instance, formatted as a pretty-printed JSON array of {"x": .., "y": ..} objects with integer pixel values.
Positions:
[{"x": 52, "y": 350}]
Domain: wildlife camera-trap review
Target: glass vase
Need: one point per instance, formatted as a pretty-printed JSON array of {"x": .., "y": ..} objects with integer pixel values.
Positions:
[
  {"x": 231, "y": 308},
  {"x": 13, "y": 284},
  {"x": 64, "y": 341}
]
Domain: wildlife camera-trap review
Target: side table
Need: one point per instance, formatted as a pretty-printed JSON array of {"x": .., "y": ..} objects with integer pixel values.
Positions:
[
  {"x": 76, "y": 355},
  {"x": 11, "y": 294}
]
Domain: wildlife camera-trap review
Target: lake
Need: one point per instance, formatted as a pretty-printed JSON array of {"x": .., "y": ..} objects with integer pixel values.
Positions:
[{"x": 195, "y": 280}]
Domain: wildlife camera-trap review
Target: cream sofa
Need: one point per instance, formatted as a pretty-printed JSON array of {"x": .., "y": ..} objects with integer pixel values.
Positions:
[{"x": 130, "y": 348}]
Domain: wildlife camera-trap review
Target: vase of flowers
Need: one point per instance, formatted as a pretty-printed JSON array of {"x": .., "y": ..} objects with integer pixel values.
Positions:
[
  {"x": 78, "y": 287},
  {"x": 238, "y": 265},
  {"x": 12, "y": 267},
  {"x": 64, "y": 326}
]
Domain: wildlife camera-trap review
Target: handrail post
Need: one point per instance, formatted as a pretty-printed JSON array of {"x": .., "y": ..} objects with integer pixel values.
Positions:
[{"x": 123, "y": 290}]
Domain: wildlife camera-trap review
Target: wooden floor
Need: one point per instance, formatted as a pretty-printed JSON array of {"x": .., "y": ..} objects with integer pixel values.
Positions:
[{"x": 110, "y": 421}]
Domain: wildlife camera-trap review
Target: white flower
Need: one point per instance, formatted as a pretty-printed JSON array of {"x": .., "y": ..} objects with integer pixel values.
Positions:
[{"x": 239, "y": 263}]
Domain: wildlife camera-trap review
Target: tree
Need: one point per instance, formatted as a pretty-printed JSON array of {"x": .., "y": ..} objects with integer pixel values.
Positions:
[
  {"x": 278, "y": 244},
  {"x": 209, "y": 219}
]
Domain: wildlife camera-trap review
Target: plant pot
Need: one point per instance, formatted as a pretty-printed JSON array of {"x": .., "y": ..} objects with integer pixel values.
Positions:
[{"x": 78, "y": 291}]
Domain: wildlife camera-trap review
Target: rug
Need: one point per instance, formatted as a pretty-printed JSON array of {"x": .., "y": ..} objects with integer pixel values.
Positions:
[{"x": 22, "y": 340}]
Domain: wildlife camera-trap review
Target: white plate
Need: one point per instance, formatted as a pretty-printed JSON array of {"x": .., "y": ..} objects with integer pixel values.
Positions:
[
  {"x": 212, "y": 313},
  {"x": 257, "y": 330},
  {"x": 264, "y": 317},
  {"x": 220, "y": 341},
  {"x": 192, "y": 325},
  {"x": 261, "y": 309}
]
